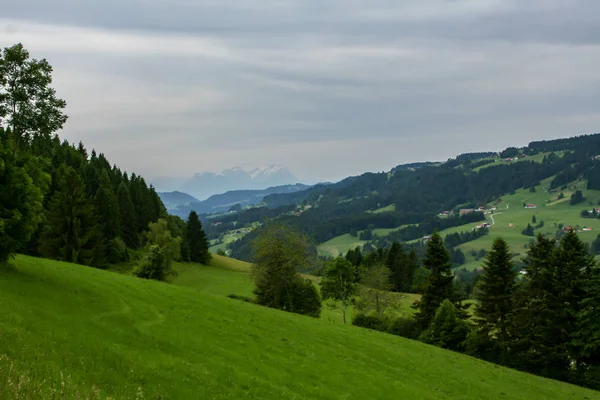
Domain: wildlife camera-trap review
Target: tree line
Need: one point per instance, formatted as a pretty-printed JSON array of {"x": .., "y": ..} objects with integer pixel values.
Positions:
[{"x": 63, "y": 202}]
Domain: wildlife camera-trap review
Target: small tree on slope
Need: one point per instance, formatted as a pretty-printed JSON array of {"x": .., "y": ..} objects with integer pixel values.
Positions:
[
  {"x": 338, "y": 282},
  {"x": 196, "y": 238}
]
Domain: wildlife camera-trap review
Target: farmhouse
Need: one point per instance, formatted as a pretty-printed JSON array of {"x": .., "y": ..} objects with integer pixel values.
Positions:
[
  {"x": 464, "y": 211},
  {"x": 427, "y": 238},
  {"x": 445, "y": 213},
  {"x": 530, "y": 206},
  {"x": 569, "y": 228}
]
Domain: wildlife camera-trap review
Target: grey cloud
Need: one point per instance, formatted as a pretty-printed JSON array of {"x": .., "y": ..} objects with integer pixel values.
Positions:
[{"x": 327, "y": 88}]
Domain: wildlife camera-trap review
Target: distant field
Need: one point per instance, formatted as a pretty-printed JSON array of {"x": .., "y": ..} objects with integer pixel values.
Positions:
[
  {"x": 389, "y": 208},
  {"x": 498, "y": 161},
  {"x": 340, "y": 244},
  {"x": 86, "y": 333}
]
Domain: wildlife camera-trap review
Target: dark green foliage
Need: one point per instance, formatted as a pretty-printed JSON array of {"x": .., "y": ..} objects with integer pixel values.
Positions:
[
  {"x": 107, "y": 207},
  {"x": 20, "y": 202},
  {"x": 561, "y": 195},
  {"x": 509, "y": 152},
  {"x": 494, "y": 292},
  {"x": 533, "y": 219},
  {"x": 447, "y": 329},
  {"x": 371, "y": 321},
  {"x": 404, "y": 326},
  {"x": 127, "y": 217},
  {"x": 577, "y": 197},
  {"x": 71, "y": 231},
  {"x": 279, "y": 253},
  {"x": 304, "y": 298},
  {"x": 528, "y": 231},
  {"x": 338, "y": 282},
  {"x": 354, "y": 256},
  {"x": 196, "y": 240},
  {"x": 154, "y": 265},
  {"x": 116, "y": 251},
  {"x": 439, "y": 283}
]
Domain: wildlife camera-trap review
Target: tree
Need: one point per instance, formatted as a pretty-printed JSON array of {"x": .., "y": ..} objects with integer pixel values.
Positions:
[
  {"x": 338, "y": 282},
  {"x": 20, "y": 202},
  {"x": 278, "y": 253},
  {"x": 577, "y": 197},
  {"x": 528, "y": 231},
  {"x": 154, "y": 265},
  {"x": 108, "y": 208},
  {"x": 447, "y": 329},
  {"x": 375, "y": 291},
  {"x": 196, "y": 240},
  {"x": 533, "y": 219},
  {"x": 396, "y": 262},
  {"x": 439, "y": 283},
  {"x": 127, "y": 217},
  {"x": 494, "y": 293},
  {"x": 71, "y": 232},
  {"x": 160, "y": 235},
  {"x": 27, "y": 102}
]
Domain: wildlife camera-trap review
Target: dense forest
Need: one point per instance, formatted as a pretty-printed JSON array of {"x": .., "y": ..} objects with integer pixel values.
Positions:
[{"x": 59, "y": 200}]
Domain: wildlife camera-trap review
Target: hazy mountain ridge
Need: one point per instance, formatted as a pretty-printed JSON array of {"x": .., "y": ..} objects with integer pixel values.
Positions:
[
  {"x": 224, "y": 201},
  {"x": 205, "y": 184}
]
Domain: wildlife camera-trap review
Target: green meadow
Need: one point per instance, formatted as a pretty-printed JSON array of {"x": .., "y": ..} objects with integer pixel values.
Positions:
[{"x": 69, "y": 331}]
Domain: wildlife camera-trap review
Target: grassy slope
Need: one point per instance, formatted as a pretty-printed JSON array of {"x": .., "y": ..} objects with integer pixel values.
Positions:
[
  {"x": 124, "y": 335},
  {"x": 510, "y": 211}
]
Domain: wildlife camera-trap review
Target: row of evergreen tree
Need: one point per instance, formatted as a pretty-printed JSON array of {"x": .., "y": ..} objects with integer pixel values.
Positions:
[
  {"x": 543, "y": 321},
  {"x": 58, "y": 200}
]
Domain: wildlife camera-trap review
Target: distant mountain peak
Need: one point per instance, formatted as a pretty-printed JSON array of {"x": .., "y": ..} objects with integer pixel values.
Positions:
[{"x": 205, "y": 184}]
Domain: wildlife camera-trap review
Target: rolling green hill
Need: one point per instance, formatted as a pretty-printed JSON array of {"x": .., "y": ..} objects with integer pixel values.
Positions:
[{"x": 80, "y": 332}]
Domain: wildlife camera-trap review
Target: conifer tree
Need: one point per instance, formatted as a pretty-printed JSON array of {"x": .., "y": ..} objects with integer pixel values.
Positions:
[
  {"x": 127, "y": 217},
  {"x": 530, "y": 321},
  {"x": 439, "y": 283},
  {"x": 396, "y": 262},
  {"x": 106, "y": 204},
  {"x": 196, "y": 238},
  {"x": 495, "y": 292},
  {"x": 20, "y": 202},
  {"x": 71, "y": 232},
  {"x": 447, "y": 329}
]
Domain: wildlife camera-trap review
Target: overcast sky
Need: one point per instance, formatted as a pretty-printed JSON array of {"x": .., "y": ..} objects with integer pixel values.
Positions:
[{"x": 328, "y": 88}]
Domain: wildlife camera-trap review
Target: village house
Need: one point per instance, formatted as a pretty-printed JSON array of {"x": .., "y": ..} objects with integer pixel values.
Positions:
[{"x": 530, "y": 206}]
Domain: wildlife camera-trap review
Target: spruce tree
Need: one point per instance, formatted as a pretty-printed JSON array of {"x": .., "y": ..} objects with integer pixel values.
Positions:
[
  {"x": 530, "y": 322},
  {"x": 127, "y": 217},
  {"x": 20, "y": 202},
  {"x": 71, "y": 232},
  {"x": 106, "y": 204},
  {"x": 196, "y": 238},
  {"x": 495, "y": 290},
  {"x": 396, "y": 262},
  {"x": 439, "y": 283},
  {"x": 447, "y": 329}
]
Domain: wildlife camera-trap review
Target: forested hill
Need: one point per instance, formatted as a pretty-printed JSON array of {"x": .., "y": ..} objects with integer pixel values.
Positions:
[
  {"x": 416, "y": 195},
  {"x": 59, "y": 200}
]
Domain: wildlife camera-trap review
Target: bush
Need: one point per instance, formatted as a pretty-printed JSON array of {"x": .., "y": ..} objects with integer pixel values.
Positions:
[
  {"x": 304, "y": 298},
  {"x": 221, "y": 252},
  {"x": 371, "y": 321},
  {"x": 404, "y": 326},
  {"x": 116, "y": 251},
  {"x": 247, "y": 299},
  {"x": 154, "y": 266}
]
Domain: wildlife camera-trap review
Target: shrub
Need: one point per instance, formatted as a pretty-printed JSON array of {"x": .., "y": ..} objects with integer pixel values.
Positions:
[
  {"x": 370, "y": 321},
  {"x": 116, "y": 251},
  {"x": 154, "y": 266},
  {"x": 404, "y": 326}
]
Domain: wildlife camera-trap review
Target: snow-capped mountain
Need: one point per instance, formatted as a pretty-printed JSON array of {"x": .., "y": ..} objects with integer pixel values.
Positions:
[{"x": 205, "y": 184}]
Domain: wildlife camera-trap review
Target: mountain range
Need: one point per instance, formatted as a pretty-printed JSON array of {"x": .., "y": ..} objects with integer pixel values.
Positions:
[
  {"x": 180, "y": 204},
  {"x": 205, "y": 184}
]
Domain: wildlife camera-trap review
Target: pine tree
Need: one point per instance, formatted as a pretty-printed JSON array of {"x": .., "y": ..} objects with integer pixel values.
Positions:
[
  {"x": 127, "y": 217},
  {"x": 439, "y": 283},
  {"x": 447, "y": 329},
  {"x": 412, "y": 264},
  {"x": 20, "y": 202},
  {"x": 496, "y": 285},
  {"x": 396, "y": 262},
  {"x": 530, "y": 322},
  {"x": 106, "y": 204},
  {"x": 71, "y": 232},
  {"x": 196, "y": 238}
]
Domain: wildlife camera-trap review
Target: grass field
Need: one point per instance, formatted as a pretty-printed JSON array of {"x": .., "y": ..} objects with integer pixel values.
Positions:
[
  {"x": 511, "y": 218},
  {"x": 79, "y": 332},
  {"x": 339, "y": 244}
]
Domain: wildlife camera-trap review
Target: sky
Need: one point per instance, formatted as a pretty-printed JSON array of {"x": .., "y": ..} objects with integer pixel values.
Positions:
[{"x": 327, "y": 88}]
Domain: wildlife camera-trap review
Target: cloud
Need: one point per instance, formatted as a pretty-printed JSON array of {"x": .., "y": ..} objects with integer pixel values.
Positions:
[{"x": 328, "y": 88}]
